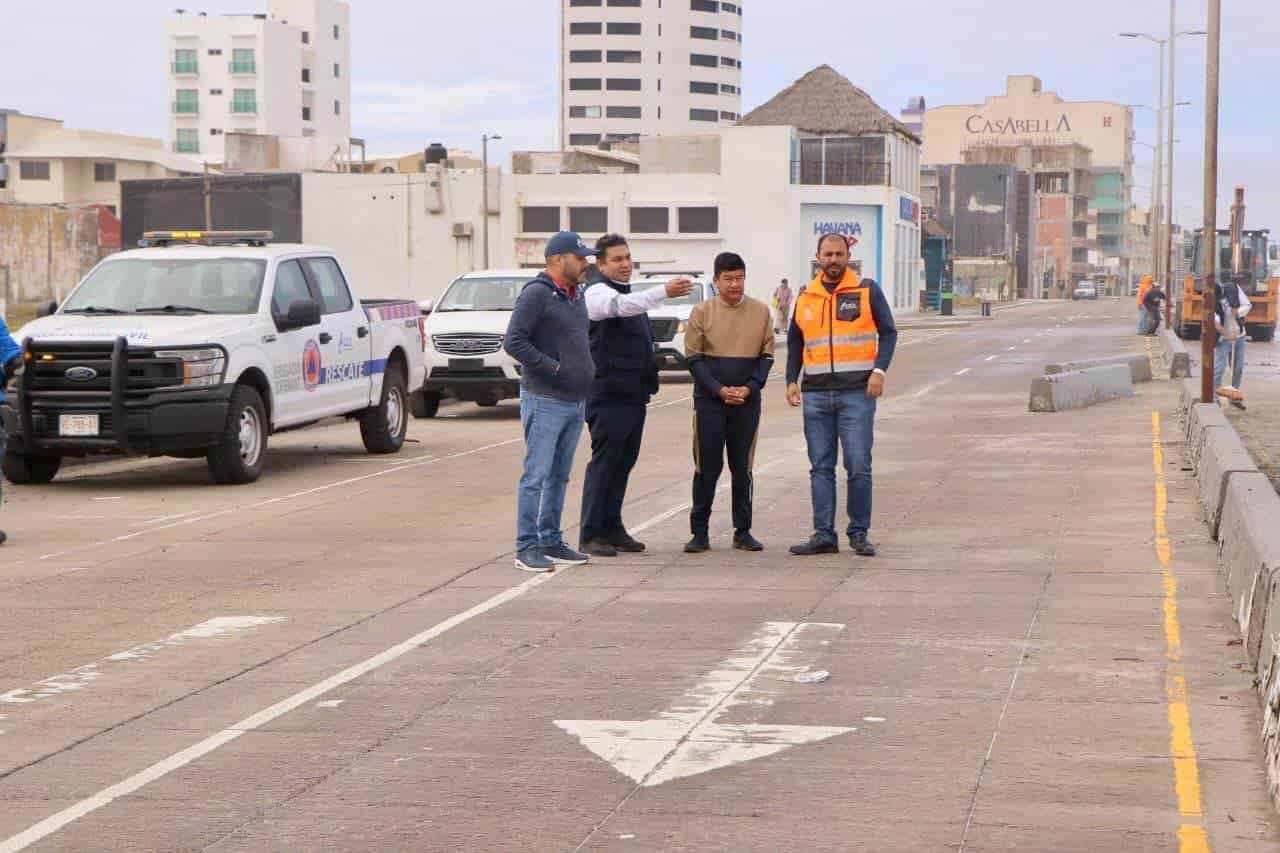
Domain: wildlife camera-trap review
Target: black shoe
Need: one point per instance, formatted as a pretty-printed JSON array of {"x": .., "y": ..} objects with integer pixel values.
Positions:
[
  {"x": 815, "y": 545},
  {"x": 1239, "y": 404},
  {"x": 858, "y": 542},
  {"x": 3, "y": 537},
  {"x": 744, "y": 541},
  {"x": 598, "y": 548},
  {"x": 698, "y": 544},
  {"x": 625, "y": 544}
]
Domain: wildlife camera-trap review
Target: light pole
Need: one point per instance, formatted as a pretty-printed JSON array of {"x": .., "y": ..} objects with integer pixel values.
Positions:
[
  {"x": 1210, "y": 200},
  {"x": 485, "y": 139}
]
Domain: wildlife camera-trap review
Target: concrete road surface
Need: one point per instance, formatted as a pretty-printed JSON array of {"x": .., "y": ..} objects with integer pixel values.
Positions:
[{"x": 342, "y": 657}]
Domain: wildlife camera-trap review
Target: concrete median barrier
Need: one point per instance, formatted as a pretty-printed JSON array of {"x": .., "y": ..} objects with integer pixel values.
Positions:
[
  {"x": 1190, "y": 392},
  {"x": 1201, "y": 417},
  {"x": 1222, "y": 456},
  {"x": 1249, "y": 552},
  {"x": 1175, "y": 355},
  {"x": 1080, "y": 388},
  {"x": 1139, "y": 366}
]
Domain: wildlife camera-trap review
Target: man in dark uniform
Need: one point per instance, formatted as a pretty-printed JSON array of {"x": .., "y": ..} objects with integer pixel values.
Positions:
[{"x": 626, "y": 376}]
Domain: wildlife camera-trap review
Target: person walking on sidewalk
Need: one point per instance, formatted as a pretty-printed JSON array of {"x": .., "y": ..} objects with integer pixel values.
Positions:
[
  {"x": 1232, "y": 306},
  {"x": 782, "y": 304},
  {"x": 626, "y": 376},
  {"x": 843, "y": 337},
  {"x": 1151, "y": 302},
  {"x": 1143, "y": 317},
  {"x": 548, "y": 336},
  {"x": 729, "y": 342}
]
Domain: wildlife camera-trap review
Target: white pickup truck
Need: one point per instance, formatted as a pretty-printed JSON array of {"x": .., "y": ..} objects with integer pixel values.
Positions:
[{"x": 203, "y": 345}]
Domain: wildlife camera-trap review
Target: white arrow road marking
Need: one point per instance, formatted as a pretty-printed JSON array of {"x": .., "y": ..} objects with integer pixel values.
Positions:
[{"x": 688, "y": 739}]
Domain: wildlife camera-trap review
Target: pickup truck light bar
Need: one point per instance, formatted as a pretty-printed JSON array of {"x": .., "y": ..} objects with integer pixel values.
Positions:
[{"x": 206, "y": 238}]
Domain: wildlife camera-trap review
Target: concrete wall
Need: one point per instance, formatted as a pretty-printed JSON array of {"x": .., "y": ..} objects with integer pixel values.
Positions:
[{"x": 45, "y": 250}]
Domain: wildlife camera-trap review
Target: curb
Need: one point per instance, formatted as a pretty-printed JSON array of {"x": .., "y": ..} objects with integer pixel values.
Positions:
[
  {"x": 1241, "y": 507},
  {"x": 1176, "y": 355},
  {"x": 1077, "y": 389},
  {"x": 1139, "y": 366}
]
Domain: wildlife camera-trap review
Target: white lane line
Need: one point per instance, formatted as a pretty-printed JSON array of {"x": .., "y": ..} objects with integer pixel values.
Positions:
[
  {"x": 1012, "y": 348},
  {"x": 962, "y": 371},
  {"x": 1027, "y": 341},
  {"x": 992, "y": 357},
  {"x": 82, "y": 676},
  {"x": 178, "y": 760}
]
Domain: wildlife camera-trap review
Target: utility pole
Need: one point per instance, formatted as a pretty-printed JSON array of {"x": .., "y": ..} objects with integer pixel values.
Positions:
[
  {"x": 484, "y": 194},
  {"x": 1156, "y": 244},
  {"x": 208, "y": 200},
  {"x": 1168, "y": 206},
  {"x": 1210, "y": 238}
]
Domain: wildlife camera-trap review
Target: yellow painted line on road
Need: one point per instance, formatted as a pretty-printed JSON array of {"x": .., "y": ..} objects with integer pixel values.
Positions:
[{"x": 1192, "y": 837}]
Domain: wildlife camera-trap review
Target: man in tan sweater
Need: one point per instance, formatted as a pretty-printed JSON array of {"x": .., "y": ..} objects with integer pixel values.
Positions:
[{"x": 729, "y": 344}]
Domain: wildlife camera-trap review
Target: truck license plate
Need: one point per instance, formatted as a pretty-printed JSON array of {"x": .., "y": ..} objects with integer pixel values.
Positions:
[{"x": 77, "y": 425}]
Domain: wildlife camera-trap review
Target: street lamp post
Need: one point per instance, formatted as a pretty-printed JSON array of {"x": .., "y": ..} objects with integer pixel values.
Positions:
[
  {"x": 1210, "y": 250},
  {"x": 485, "y": 139}
]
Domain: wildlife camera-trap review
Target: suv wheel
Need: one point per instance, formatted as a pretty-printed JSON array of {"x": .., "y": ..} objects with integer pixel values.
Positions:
[
  {"x": 424, "y": 404},
  {"x": 383, "y": 426},
  {"x": 239, "y": 456},
  {"x": 27, "y": 470}
]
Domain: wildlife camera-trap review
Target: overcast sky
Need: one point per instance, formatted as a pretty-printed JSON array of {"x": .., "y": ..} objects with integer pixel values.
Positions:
[{"x": 428, "y": 71}]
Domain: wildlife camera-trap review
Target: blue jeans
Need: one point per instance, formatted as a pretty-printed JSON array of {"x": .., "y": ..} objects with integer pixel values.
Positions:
[
  {"x": 1222, "y": 352},
  {"x": 847, "y": 418},
  {"x": 1144, "y": 320},
  {"x": 551, "y": 431}
]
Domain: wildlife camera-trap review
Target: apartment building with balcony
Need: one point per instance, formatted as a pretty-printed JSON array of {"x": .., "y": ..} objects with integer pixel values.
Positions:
[
  {"x": 285, "y": 72},
  {"x": 632, "y": 68}
]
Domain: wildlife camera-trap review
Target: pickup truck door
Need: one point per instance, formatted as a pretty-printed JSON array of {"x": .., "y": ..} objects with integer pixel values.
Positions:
[
  {"x": 345, "y": 340},
  {"x": 295, "y": 354}
]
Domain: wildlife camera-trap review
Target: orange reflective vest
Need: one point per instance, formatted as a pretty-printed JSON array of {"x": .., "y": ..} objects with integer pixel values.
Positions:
[
  {"x": 1143, "y": 288},
  {"x": 840, "y": 334}
]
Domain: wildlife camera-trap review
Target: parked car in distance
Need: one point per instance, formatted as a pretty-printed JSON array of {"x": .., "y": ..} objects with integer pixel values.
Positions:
[
  {"x": 1085, "y": 290},
  {"x": 668, "y": 321},
  {"x": 465, "y": 329}
]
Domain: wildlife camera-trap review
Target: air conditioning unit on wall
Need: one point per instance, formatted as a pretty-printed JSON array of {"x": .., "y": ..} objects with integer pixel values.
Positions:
[{"x": 463, "y": 229}]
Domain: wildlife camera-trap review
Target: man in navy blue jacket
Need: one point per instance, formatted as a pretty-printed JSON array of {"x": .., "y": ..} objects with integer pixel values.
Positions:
[
  {"x": 11, "y": 360},
  {"x": 548, "y": 335}
]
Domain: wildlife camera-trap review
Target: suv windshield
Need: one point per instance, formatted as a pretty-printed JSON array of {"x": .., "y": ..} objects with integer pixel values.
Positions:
[
  {"x": 701, "y": 292},
  {"x": 175, "y": 285},
  {"x": 482, "y": 294}
]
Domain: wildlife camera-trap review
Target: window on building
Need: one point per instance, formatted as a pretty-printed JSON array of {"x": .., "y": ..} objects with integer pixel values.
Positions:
[
  {"x": 728, "y": 35},
  {"x": 629, "y": 3},
  {"x": 185, "y": 61},
  {"x": 584, "y": 84},
  {"x": 586, "y": 140},
  {"x": 710, "y": 33},
  {"x": 306, "y": 37},
  {"x": 699, "y": 220},
  {"x": 244, "y": 101},
  {"x": 728, "y": 116},
  {"x": 215, "y": 131},
  {"x": 726, "y": 89},
  {"x": 187, "y": 102},
  {"x": 306, "y": 75},
  {"x": 540, "y": 220},
  {"x": 215, "y": 51},
  {"x": 337, "y": 70},
  {"x": 623, "y": 29},
  {"x": 842, "y": 161},
  {"x": 589, "y": 220},
  {"x": 586, "y": 28},
  {"x": 242, "y": 61},
  {"x": 34, "y": 170},
  {"x": 704, "y": 5},
  {"x": 623, "y": 112},
  {"x": 699, "y": 88},
  {"x": 584, "y": 112},
  {"x": 306, "y": 113},
  {"x": 630, "y": 56},
  {"x": 622, "y": 137},
  {"x": 650, "y": 220},
  {"x": 585, "y": 55},
  {"x": 337, "y": 108},
  {"x": 187, "y": 141},
  {"x": 104, "y": 173},
  {"x": 585, "y": 3},
  {"x": 729, "y": 7},
  {"x": 703, "y": 115},
  {"x": 703, "y": 60},
  {"x": 624, "y": 84},
  {"x": 215, "y": 91},
  {"x": 727, "y": 62},
  {"x": 337, "y": 32}
]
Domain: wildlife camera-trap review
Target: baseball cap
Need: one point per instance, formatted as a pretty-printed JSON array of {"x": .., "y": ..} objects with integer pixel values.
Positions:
[{"x": 567, "y": 242}]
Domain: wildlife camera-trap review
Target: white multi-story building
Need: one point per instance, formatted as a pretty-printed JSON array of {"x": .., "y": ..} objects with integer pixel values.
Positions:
[
  {"x": 285, "y": 72},
  {"x": 631, "y": 68}
]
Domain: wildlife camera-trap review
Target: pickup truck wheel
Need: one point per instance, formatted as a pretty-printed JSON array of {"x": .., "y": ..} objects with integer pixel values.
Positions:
[
  {"x": 424, "y": 404},
  {"x": 383, "y": 426},
  {"x": 238, "y": 458},
  {"x": 27, "y": 470}
]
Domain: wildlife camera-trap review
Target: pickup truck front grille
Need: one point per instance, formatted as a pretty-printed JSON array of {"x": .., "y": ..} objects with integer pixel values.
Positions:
[
  {"x": 466, "y": 343},
  {"x": 664, "y": 328},
  {"x": 83, "y": 372}
]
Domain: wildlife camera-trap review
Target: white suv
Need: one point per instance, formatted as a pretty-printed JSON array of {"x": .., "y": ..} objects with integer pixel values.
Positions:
[
  {"x": 464, "y": 334},
  {"x": 668, "y": 321}
]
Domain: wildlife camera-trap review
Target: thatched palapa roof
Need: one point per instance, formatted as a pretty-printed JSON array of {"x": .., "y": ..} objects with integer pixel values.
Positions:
[{"x": 824, "y": 102}]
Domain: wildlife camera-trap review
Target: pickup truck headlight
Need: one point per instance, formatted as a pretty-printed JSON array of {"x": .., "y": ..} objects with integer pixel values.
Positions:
[{"x": 200, "y": 367}]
